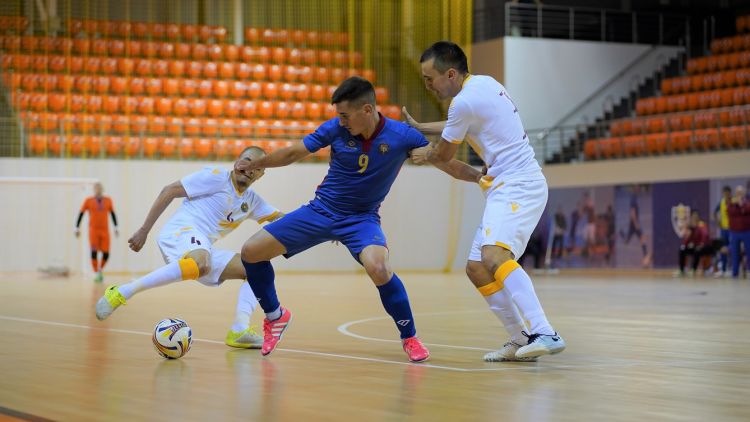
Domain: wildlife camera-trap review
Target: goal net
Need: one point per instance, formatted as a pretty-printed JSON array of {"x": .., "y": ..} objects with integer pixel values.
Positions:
[{"x": 38, "y": 216}]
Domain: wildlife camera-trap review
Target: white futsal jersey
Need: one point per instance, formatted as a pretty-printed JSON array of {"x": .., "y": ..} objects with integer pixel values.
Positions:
[
  {"x": 214, "y": 207},
  {"x": 484, "y": 115}
]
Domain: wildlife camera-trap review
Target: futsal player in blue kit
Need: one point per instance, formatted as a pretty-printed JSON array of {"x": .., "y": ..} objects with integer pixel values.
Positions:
[{"x": 367, "y": 152}]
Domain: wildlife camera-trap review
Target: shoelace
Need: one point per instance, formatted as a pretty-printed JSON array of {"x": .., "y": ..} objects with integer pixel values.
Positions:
[
  {"x": 532, "y": 337},
  {"x": 267, "y": 330}
]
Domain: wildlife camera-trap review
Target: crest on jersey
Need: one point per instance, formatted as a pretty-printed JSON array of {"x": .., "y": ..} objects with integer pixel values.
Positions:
[
  {"x": 244, "y": 207},
  {"x": 351, "y": 143},
  {"x": 680, "y": 219},
  {"x": 383, "y": 148}
]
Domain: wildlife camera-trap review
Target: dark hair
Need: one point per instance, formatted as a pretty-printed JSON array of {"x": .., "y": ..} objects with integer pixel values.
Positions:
[
  {"x": 726, "y": 188},
  {"x": 355, "y": 90},
  {"x": 253, "y": 149},
  {"x": 447, "y": 55}
]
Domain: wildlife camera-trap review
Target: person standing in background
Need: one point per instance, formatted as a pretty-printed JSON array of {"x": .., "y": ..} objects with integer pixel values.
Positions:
[
  {"x": 721, "y": 215},
  {"x": 98, "y": 206},
  {"x": 739, "y": 228}
]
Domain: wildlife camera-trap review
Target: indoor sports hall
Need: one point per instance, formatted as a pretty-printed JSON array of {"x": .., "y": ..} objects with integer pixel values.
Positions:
[{"x": 636, "y": 111}]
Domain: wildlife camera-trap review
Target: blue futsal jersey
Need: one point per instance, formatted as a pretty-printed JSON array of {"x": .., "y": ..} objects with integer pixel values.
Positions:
[{"x": 362, "y": 171}]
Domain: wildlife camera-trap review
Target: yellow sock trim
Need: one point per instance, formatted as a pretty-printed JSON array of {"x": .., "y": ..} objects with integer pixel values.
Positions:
[
  {"x": 505, "y": 269},
  {"x": 490, "y": 289},
  {"x": 189, "y": 269}
]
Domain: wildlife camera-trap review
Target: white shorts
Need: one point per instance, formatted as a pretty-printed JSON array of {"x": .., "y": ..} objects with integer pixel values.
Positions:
[
  {"x": 511, "y": 214},
  {"x": 176, "y": 242}
]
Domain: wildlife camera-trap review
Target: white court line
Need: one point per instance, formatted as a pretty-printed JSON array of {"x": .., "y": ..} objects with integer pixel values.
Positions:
[
  {"x": 360, "y": 358},
  {"x": 344, "y": 329}
]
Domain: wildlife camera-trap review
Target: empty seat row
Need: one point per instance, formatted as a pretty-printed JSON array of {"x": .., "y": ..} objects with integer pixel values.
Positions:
[
  {"x": 663, "y": 143},
  {"x": 183, "y": 51},
  {"x": 681, "y": 121},
  {"x": 706, "y": 81},
  {"x": 13, "y": 24},
  {"x": 125, "y": 66},
  {"x": 126, "y": 29},
  {"x": 204, "y": 88},
  {"x": 718, "y": 62},
  {"x": 120, "y": 124},
  {"x": 149, "y": 147},
  {"x": 693, "y": 101},
  {"x": 730, "y": 44}
]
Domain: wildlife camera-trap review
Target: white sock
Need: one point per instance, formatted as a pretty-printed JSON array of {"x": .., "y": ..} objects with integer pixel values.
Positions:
[
  {"x": 273, "y": 316},
  {"x": 246, "y": 304},
  {"x": 518, "y": 284},
  {"x": 159, "y": 277},
  {"x": 503, "y": 307}
]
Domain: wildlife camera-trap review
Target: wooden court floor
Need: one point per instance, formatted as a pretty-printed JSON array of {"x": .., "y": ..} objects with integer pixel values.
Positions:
[{"x": 639, "y": 349}]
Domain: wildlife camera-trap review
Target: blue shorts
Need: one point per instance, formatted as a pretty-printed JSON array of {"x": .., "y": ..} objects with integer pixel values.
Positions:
[
  {"x": 310, "y": 225},
  {"x": 724, "y": 237}
]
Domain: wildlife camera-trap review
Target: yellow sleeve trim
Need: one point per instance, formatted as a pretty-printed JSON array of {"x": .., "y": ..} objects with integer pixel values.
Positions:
[
  {"x": 455, "y": 141},
  {"x": 502, "y": 273},
  {"x": 189, "y": 269},
  {"x": 490, "y": 289},
  {"x": 270, "y": 217}
]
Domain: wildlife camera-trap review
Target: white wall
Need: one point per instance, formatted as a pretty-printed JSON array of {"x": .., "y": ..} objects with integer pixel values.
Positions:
[
  {"x": 426, "y": 217},
  {"x": 548, "y": 78}
]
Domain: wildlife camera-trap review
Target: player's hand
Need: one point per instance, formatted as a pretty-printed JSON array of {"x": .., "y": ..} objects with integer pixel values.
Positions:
[
  {"x": 419, "y": 155},
  {"x": 138, "y": 239},
  {"x": 410, "y": 120},
  {"x": 77, "y": 232},
  {"x": 245, "y": 167}
]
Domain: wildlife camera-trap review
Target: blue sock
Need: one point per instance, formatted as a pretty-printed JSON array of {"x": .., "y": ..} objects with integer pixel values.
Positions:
[
  {"x": 396, "y": 303},
  {"x": 260, "y": 276},
  {"x": 724, "y": 258}
]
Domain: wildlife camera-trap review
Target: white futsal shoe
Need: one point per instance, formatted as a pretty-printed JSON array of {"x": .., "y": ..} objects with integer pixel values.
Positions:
[
  {"x": 507, "y": 354},
  {"x": 541, "y": 344}
]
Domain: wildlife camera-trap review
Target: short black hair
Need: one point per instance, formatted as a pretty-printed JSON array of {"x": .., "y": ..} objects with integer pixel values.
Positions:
[
  {"x": 726, "y": 188},
  {"x": 355, "y": 90},
  {"x": 447, "y": 55}
]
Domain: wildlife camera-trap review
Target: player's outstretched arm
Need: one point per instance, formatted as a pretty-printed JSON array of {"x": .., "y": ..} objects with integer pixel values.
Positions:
[
  {"x": 441, "y": 156},
  {"x": 279, "y": 158},
  {"x": 170, "y": 192},
  {"x": 431, "y": 128}
]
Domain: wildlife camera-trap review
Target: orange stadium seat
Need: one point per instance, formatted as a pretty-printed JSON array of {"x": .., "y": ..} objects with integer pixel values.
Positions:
[
  {"x": 227, "y": 127},
  {"x": 199, "y": 52},
  {"x": 93, "y": 145},
  {"x": 103, "y": 122},
  {"x": 265, "y": 109},
  {"x": 167, "y": 147},
  {"x": 56, "y": 144},
  {"x": 221, "y": 148},
  {"x": 170, "y": 86},
  {"x": 232, "y": 108},
  {"x": 197, "y": 106},
  {"x": 254, "y": 90},
  {"x": 215, "y": 107},
  {"x": 706, "y": 139},
  {"x": 237, "y": 89},
  {"x": 209, "y": 126},
  {"x": 275, "y": 73},
  {"x": 173, "y": 31},
  {"x": 194, "y": 69},
  {"x": 243, "y": 70},
  {"x": 37, "y": 144},
  {"x": 248, "y": 109},
  {"x": 76, "y": 145},
  {"x": 215, "y": 52},
  {"x": 188, "y": 87},
  {"x": 192, "y": 127},
  {"x": 188, "y": 32},
  {"x": 680, "y": 141},
  {"x": 113, "y": 145},
  {"x": 262, "y": 54},
  {"x": 131, "y": 146},
  {"x": 176, "y": 68},
  {"x": 187, "y": 147},
  {"x": 220, "y": 88},
  {"x": 150, "y": 146},
  {"x": 205, "y": 88},
  {"x": 259, "y": 72},
  {"x": 203, "y": 147},
  {"x": 656, "y": 143},
  {"x": 231, "y": 52},
  {"x": 145, "y": 105},
  {"x": 156, "y": 124}
]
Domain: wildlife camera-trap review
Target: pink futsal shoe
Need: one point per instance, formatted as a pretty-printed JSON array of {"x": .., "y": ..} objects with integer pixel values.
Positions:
[
  {"x": 272, "y": 331},
  {"x": 415, "y": 349}
]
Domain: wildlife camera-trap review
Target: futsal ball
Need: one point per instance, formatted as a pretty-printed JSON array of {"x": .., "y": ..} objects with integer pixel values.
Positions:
[{"x": 172, "y": 338}]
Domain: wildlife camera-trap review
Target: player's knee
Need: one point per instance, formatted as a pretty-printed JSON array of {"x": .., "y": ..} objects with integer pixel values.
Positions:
[
  {"x": 475, "y": 271},
  {"x": 249, "y": 252},
  {"x": 379, "y": 271},
  {"x": 491, "y": 262}
]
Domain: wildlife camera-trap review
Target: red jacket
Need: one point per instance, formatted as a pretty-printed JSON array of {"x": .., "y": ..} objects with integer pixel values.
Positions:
[
  {"x": 697, "y": 236},
  {"x": 739, "y": 216}
]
